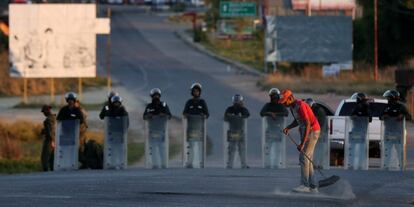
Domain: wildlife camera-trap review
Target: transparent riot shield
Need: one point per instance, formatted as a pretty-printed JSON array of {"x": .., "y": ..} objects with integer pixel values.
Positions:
[
  {"x": 194, "y": 143},
  {"x": 67, "y": 144},
  {"x": 157, "y": 142},
  {"x": 321, "y": 155},
  {"x": 356, "y": 143},
  {"x": 115, "y": 149},
  {"x": 235, "y": 139},
  {"x": 273, "y": 142},
  {"x": 393, "y": 144}
]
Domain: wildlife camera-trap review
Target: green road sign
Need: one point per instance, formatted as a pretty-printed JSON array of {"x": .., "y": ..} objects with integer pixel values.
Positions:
[{"x": 237, "y": 9}]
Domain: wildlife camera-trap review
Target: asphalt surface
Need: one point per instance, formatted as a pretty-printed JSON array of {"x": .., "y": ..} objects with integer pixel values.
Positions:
[
  {"x": 147, "y": 54},
  {"x": 206, "y": 187}
]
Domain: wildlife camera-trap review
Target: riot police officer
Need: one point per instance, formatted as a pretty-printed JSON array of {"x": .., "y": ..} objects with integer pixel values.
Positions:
[
  {"x": 155, "y": 114},
  {"x": 358, "y": 143},
  {"x": 117, "y": 109},
  {"x": 70, "y": 111},
  {"x": 48, "y": 132},
  {"x": 394, "y": 107},
  {"x": 362, "y": 106},
  {"x": 393, "y": 135},
  {"x": 196, "y": 105},
  {"x": 156, "y": 107},
  {"x": 195, "y": 112},
  {"x": 107, "y": 105},
  {"x": 117, "y": 123},
  {"x": 232, "y": 115},
  {"x": 273, "y": 108}
]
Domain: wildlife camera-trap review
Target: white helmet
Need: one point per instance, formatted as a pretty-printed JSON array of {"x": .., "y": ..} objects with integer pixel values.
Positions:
[
  {"x": 196, "y": 85},
  {"x": 237, "y": 98},
  {"x": 70, "y": 96},
  {"x": 155, "y": 91},
  {"x": 115, "y": 99},
  {"x": 274, "y": 91}
]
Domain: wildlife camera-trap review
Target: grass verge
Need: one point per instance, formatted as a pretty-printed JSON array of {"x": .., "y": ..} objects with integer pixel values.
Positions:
[
  {"x": 324, "y": 86},
  {"x": 136, "y": 151},
  {"x": 249, "y": 52},
  {"x": 86, "y": 106},
  {"x": 19, "y": 166}
]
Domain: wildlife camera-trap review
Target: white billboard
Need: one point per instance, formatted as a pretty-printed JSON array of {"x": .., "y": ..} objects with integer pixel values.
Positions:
[{"x": 54, "y": 40}]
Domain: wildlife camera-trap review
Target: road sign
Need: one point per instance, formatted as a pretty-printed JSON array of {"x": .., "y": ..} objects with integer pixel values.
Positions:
[{"x": 238, "y": 9}]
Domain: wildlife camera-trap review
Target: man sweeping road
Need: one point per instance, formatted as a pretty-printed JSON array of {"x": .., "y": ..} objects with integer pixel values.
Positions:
[{"x": 309, "y": 130}]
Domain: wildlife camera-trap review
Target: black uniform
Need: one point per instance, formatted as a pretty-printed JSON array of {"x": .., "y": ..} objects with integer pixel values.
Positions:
[
  {"x": 396, "y": 109},
  {"x": 236, "y": 111},
  {"x": 116, "y": 111},
  {"x": 196, "y": 107},
  {"x": 362, "y": 110},
  {"x": 274, "y": 108},
  {"x": 48, "y": 132},
  {"x": 67, "y": 113},
  {"x": 157, "y": 109},
  {"x": 320, "y": 114},
  {"x": 104, "y": 109}
]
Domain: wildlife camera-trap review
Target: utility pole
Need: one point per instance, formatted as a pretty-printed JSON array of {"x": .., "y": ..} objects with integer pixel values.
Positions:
[{"x": 375, "y": 40}]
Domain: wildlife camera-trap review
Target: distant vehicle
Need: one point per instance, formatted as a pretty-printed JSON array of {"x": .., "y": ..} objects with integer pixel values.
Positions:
[
  {"x": 197, "y": 3},
  {"x": 337, "y": 128},
  {"x": 159, "y": 5},
  {"x": 20, "y": 1},
  {"x": 136, "y": 1},
  {"x": 115, "y": 1}
]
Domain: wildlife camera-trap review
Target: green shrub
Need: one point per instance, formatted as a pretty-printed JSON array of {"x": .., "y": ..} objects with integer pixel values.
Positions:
[{"x": 19, "y": 166}]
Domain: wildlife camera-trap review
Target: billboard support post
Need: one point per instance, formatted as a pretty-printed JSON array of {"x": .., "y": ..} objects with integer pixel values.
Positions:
[
  {"x": 80, "y": 88},
  {"x": 52, "y": 90},
  {"x": 24, "y": 91}
]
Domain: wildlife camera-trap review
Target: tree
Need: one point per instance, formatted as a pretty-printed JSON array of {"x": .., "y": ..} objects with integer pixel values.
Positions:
[{"x": 395, "y": 32}]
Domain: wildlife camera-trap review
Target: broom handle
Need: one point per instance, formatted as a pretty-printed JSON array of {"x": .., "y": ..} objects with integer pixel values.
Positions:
[{"x": 307, "y": 157}]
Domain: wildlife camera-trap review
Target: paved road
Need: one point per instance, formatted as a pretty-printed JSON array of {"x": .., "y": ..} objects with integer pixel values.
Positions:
[
  {"x": 206, "y": 187},
  {"x": 146, "y": 54}
]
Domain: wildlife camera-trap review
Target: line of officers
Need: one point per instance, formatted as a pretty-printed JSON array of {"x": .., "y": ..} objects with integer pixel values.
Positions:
[{"x": 71, "y": 124}]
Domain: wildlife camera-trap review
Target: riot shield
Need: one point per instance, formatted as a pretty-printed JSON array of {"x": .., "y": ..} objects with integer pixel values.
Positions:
[
  {"x": 273, "y": 142},
  {"x": 393, "y": 144},
  {"x": 156, "y": 142},
  {"x": 67, "y": 144},
  {"x": 356, "y": 143},
  {"x": 235, "y": 139},
  {"x": 321, "y": 155},
  {"x": 115, "y": 149},
  {"x": 194, "y": 142}
]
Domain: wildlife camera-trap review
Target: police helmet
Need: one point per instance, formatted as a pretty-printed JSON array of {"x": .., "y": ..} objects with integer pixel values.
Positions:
[
  {"x": 392, "y": 94},
  {"x": 359, "y": 97},
  {"x": 70, "y": 96},
  {"x": 196, "y": 86},
  {"x": 155, "y": 91},
  {"x": 274, "y": 91},
  {"x": 237, "y": 98},
  {"x": 115, "y": 99}
]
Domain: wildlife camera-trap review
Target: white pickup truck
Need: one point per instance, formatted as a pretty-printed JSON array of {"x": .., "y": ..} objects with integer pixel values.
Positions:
[{"x": 336, "y": 129}]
